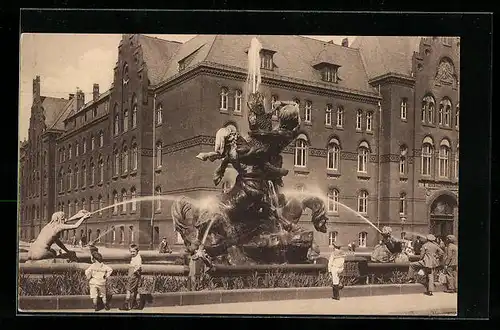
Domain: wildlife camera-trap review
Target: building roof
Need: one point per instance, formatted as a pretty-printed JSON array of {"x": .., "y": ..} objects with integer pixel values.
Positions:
[
  {"x": 157, "y": 53},
  {"x": 55, "y": 110},
  {"x": 385, "y": 54},
  {"x": 294, "y": 58}
]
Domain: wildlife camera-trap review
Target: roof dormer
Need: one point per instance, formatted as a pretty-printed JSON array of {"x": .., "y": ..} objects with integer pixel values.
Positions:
[
  {"x": 327, "y": 67},
  {"x": 266, "y": 59}
]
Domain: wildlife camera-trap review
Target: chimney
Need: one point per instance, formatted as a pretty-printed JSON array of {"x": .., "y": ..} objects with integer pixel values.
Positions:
[
  {"x": 345, "y": 42},
  {"x": 36, "y": 88},
  {"x": 71, "y": 96},
  {"x": 95, "y": 92},
  {"x": 80, "y": 99}
]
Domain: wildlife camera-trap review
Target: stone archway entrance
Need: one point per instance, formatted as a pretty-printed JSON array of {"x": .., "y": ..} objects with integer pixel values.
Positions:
[{"x": 443, "y": 214}]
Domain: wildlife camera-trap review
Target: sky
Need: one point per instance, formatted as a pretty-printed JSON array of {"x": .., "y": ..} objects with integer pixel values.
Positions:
[{"x": 67, "y": 61}]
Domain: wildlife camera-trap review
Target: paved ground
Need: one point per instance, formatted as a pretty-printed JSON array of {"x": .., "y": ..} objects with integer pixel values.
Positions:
[{"x": 408, "y": 304}]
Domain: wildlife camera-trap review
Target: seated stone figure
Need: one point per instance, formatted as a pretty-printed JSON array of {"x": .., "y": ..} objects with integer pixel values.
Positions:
[{"x": 41, "y": 248}]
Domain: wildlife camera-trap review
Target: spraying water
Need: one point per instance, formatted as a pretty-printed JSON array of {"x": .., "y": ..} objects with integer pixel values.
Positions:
[
  {"x": 300, "y": 194},
  {"x": 254, "y": 78}
]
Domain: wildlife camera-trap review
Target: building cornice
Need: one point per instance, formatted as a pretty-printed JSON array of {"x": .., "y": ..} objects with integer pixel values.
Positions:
[
  {"x": 271, "y": 79},
  {"x": 69, "y": 134},
  {"x": 392, "y": 78}
]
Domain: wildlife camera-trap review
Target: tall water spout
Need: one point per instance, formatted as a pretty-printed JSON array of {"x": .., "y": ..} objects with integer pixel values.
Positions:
[{"x": 253, "y": 78}]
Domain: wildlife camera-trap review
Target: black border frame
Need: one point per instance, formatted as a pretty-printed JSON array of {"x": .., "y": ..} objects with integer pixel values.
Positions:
[{"x": 476, "y": 93}]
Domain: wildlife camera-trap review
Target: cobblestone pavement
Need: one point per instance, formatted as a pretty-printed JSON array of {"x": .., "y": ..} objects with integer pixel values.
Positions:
[{"x": 408, "y": 304}]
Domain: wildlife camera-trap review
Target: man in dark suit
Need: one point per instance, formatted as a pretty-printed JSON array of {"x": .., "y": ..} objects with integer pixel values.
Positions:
[
  {"x": 430, "y": 256},
  {"x": 451, "y": 264}
]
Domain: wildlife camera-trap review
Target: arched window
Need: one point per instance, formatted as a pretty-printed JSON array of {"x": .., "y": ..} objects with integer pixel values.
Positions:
[
  {"x": 113, "y": 235},
  {"x": 359, "y": 118},
  {"x": 70, "y": 151},
  {"x": 444, "y": 157},
  {"x": 116, "y": 123},
  {"x": 333, "y": 155},
  {"x": 61, "y": 180},
  {"x": 456, "y": 163},
  {"x": 363, "y": 150},
  {"x": 77, "y": 149},
  {"x": 444, "y": 112},
  {"x": 158, "y": 202},
  {"x": 92, "y": 171},
  {"x": 77, "y": 177},
  {"x": 362, "y": 239},
  {"x": 363, "y": 202},
  {"x": 369, "y": 121},
  {"x": 428, "y": 105},
  {"x": 134, "y": 111},
  {"x": 308, "y": 112},
  {"x": 101, "y": 139},
  {"x": 70, "y": 179},
  {"x": 134, "y": 155},
  {"x": 125, "y": 159},
  {"x": 115, "y": 201},
  {"x": 328, "y": 115},
  {"x": 101, "y": 170},
  {"x": 332, "y": 238},
  {"x": 125, "y": 120},
  {"x": 333, "y": 199},
  {"x": 340, "y": 116},
  {"x": 158, "y": 157},
  {"x": 159, "y": 114},
  {"x": 100, "y": 204},
  {"x": 133, "y": 195},
  {"x": 223, "y": 98},
  {"x": 457, "y": 116},
  {"x": 402, "y": 204},
  {"x": 427, "y": 156},
  {"x": 403, "y": 151},
  {"x": 84, "y": 146},
  {"x": 117, "y": 161},
  {"x": 124, "y": 199},
  {"x": 92, "y": 142},
  {"x": 91, "y": 202},
  {"x": 84, "y": 175},
  {"x": 125, "y": 75},
  {"x": 404, "y": 109},
  {"x": 237, "y": 101},
  {"x": 301, "y": 151}
]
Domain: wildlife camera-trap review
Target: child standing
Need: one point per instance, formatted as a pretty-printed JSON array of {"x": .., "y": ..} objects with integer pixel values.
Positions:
[
  {"x": 97, "y": 275},
  {"x": 134, "y": 279},
  {"x": 335, "y": 267}
]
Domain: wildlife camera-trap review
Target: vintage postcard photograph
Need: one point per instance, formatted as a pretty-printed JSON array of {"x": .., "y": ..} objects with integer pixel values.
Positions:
[{"x": 238, "y": 174}]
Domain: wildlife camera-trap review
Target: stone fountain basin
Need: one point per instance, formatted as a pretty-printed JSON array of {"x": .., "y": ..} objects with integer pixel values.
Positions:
[{"x": 120, "y": 257}]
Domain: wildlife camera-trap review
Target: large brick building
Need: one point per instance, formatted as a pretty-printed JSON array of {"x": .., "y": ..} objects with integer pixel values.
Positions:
[{"x": 380, "y": 133}]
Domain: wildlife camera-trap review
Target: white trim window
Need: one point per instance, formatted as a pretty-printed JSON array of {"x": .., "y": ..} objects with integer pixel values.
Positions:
[
  {"x": 362, "y": 239},
  {"x": 403, "y": 160},
  {"x": 369, "y": 121},
  {"x": 444, "y": 156},
  {"x": 404, "y": 109},
  {"x": 159, "y": 114},
  {"x": 301, "y": 152},
  {"x": 237, "y": 101},
  {"x": 402, "y": 204},
  {"x": 340, "y": 116},
  {"x": 134, "y": 112},
  {"x": 125, "y": 120},
  {"x": 333, "y": 155},
  {"x": 308, "y": 112},
  {"x": 158, "y": 156},
  {"x": 332, "y": 238},
  {"x": 116, "y": 125},
  {"x": 158, "y": 202},
  {"x": 133, "y": 195},
  {"x": 101, "y": 139},
  {"x": 426, "y": 159},
  {"x": 333, "y": 200},
  {"x": 359, "y": 118},
  {"x": 457, "y": 116},
  {"x": 134, "y": 156},
  {"x": 223, "y": 99},
  {"x": 363, "y": 202},
  {"x": 328, "y": 115},
  {"x": 363, "y": 157}
]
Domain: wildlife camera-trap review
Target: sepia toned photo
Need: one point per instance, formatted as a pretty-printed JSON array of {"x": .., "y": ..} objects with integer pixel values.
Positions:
[{"x": 238, "y": 174}]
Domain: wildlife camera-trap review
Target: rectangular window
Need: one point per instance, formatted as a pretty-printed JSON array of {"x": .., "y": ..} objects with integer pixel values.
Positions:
[
  {"x": 340, "y": 117},
  {"x": 369, "y": 119},
  {"x": 404, "y": 110},
  {"x": 308, "y": 112},
  {"x": 328, "y": 115},
  {"x": 266, "y": 61}
]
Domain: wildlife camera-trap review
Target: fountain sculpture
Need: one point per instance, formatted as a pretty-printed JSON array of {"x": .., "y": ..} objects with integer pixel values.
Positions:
[{"x": 254, "y": 222}]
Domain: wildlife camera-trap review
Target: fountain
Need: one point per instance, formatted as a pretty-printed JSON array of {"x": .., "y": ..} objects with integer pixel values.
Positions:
[{"x": 254, "y": 222}]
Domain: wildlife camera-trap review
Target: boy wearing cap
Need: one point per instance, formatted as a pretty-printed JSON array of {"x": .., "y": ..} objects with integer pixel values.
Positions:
[
  {"x": 97, "y": 274},
  {"x": 451, "y": 264},
  {"x": 430, "y": 255},
  {"x": 335, "y": 267}
]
